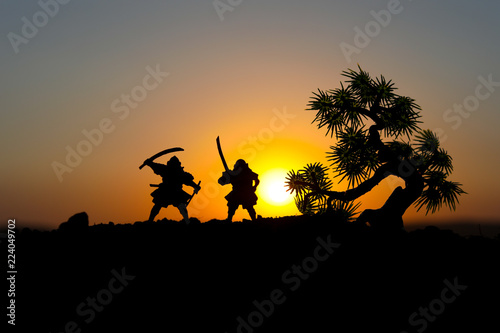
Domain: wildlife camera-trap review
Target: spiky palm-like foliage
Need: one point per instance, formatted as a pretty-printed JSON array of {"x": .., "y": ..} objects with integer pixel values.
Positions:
[
  {"x": 353, "y": 158},
  {"x": 311, "y": 202},
  {"x": 355, "y": 115},
  {"x": 438, "y": 191}
]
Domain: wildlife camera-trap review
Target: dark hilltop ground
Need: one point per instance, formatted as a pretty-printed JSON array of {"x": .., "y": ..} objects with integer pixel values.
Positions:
[{"x": 290, "y": 274}]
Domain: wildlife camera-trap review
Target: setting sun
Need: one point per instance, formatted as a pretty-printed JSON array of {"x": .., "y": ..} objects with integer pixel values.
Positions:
[{"x": 272, "y": 188}]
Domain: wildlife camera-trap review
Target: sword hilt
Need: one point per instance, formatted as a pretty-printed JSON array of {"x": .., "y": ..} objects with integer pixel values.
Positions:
[{"x": 192, "y": 195}]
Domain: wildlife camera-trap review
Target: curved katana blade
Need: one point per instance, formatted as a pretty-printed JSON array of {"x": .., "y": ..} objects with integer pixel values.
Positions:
[
  {"x": 222, "y": 155},
  {"x": 163, "y": 152}
]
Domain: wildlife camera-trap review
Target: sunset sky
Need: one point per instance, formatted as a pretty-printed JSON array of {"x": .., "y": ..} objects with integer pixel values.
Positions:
[{"x": 90, "y": 89}]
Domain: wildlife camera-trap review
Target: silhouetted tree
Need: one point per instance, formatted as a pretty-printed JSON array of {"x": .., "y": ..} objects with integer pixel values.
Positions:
[{"x": 357, "y": 114}]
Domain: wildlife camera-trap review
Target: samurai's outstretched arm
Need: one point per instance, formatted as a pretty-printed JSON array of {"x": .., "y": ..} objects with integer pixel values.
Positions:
[{"x": 156, "y": 167}]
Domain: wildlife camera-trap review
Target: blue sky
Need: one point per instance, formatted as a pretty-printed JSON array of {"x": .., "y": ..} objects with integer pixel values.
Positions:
[{"x": 261, "y": 56}]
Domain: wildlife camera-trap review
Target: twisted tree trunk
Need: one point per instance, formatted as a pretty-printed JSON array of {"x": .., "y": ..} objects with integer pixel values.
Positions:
[{"x": 390, "y": 215}]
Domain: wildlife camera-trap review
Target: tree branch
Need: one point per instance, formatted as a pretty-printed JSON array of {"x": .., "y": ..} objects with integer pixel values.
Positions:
[
  {"x": 380, "y": 174},
  {"x": 369, "y": 114}
]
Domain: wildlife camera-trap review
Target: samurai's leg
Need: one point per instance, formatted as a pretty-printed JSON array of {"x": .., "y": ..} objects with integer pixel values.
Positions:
[
  {"x": 154, "y": 211},
  {"x": 231, "y": 209},
  {"x": 252, "y": 213},
  {"x": 183, "y": 210}
]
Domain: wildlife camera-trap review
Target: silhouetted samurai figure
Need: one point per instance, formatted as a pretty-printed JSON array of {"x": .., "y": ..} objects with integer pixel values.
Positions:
[
  {"x": 244, "y": 182},
  {"x": 170, "y": 192}
]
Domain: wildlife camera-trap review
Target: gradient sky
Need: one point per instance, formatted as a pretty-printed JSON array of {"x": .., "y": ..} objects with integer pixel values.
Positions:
[{"x": 246, "y": 74}]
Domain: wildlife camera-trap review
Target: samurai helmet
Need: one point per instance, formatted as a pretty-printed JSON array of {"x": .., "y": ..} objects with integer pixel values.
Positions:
[
  {"x": 174, "y": 162},
  {"x": 240, "y": 164}
]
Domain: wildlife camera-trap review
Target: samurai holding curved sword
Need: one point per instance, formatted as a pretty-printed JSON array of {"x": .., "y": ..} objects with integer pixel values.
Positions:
[
  {"x": 244, "y": 182},
  {"x": 170, "y": 192}
]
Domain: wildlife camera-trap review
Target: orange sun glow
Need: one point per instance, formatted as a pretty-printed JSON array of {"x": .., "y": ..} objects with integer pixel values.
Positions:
[{"x": 272, "y": 188}]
